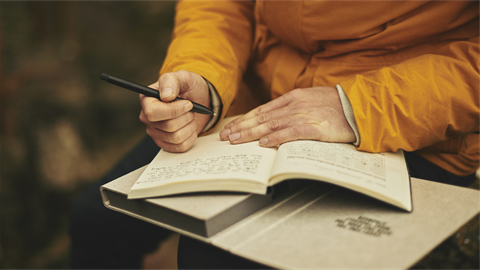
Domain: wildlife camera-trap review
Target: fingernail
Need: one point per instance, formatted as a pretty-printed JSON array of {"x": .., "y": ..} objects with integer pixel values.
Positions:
[
  {"x": 188, "y": 106},
  {"x": 224, "y": 134},
  {"x": 167, "y": 92},
  {"x": 234, "y": 136},
  {"x": 263, "y": 141}
]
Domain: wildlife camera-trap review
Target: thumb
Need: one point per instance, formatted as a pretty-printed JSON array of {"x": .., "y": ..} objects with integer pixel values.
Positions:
[
  {"x": 172, "y": 84},
  {"x": 169, "y": 86}
]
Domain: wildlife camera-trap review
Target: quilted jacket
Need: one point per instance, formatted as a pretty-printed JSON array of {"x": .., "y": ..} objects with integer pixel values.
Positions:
[{"x": 409, "y": 69}]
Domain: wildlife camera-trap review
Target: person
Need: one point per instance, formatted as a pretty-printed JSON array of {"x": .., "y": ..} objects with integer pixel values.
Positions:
[{"x": 383, "y": 75}]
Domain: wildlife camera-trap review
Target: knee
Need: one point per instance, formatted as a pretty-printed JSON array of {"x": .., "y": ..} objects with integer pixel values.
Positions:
[
  {"x": 86, "y": 212},
  {"x": 78, "y": 216}
]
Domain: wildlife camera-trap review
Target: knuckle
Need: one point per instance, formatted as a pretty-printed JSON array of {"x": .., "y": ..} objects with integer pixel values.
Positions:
[
  {"x": 260, "y": 110},
  {"x": 169, "y": 126},
  {"x": 275, "y": 138},
  {"x": 262, "y": 118},
  {"x": 174, "y": 111},
  {"x": 141, "y": 117},
  {"x": 176, "y": 137},
  {"x": 183, "y": 147},
  {"x": 274, "y": 124},
  {"x": 149, "y": 113},
  {"x": 247, "y": 133}
]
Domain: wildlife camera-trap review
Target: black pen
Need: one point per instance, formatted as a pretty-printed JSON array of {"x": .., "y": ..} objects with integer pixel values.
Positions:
[{"x": 150, "y": 92}]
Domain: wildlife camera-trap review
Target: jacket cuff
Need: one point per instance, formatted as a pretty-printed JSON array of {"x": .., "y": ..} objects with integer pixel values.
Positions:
[
  {"x": 217, "y": 107},
  {"x": 348, "y": 112}
]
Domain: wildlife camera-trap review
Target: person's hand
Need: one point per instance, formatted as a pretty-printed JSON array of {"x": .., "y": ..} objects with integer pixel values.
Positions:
[
  {"x": 171, "y": 124},
  {"x": 310, "y": 113}
]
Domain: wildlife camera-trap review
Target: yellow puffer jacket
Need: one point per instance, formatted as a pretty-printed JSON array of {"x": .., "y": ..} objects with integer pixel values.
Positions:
[{"x": 410, "y": 69}]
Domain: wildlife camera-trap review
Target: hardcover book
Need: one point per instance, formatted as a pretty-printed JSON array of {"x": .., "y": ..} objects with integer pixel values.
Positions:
[{"x": 314, "y": 225}]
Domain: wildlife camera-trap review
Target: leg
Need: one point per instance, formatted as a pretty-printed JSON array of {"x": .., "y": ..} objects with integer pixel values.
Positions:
[
  {"x": 102, "y": 238},
  {"x": 424, "y": 169},
  {"x": 193, "y": 254}
]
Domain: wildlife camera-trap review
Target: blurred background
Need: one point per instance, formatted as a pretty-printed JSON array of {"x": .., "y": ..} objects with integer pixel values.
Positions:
[{"x": 63, "y": 128}]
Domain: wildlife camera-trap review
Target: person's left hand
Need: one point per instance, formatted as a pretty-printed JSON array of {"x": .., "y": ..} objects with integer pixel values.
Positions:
[{"x": 314, "y": 113}]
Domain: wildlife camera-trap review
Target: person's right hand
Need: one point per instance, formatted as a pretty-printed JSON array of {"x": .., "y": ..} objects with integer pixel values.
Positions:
[{"x": 171, "y": 124}]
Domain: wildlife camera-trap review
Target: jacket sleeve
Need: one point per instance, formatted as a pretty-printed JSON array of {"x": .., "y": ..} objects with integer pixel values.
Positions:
[
  {"x": 212, "y": 39},
  {"x": 425, "y": 101}
]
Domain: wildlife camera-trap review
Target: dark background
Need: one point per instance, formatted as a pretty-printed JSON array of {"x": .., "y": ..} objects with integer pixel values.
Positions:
[{"x": 63, "y": 128}]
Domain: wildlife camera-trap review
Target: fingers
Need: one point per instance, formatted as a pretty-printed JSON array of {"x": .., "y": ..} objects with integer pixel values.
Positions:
[
  {"x": 156, "y": 110},
  {"x": 312, "y": 113},
  {"x": 262, "y": 114},
  {"x": 255, "y": 127},
  {"x": 175, "y": 135},
  {"x": 289, "y": 128},
  {"x": 177, "y": 148},
  {"x": 276, "y": 130},
  {"x": 170, "y": 125},
  {"x": 292, "y": 133},
  {"x": 261, "y": 110}
]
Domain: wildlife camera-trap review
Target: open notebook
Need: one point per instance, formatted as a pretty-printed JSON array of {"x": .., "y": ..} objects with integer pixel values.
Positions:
[{"x": 215, "y": 165}]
